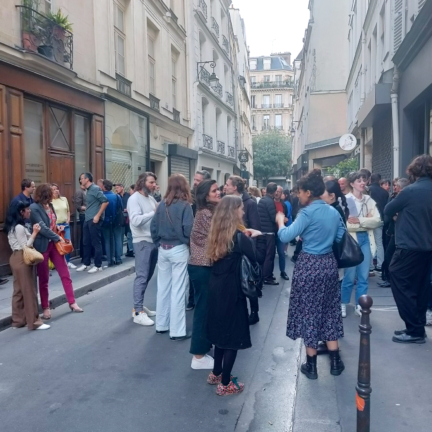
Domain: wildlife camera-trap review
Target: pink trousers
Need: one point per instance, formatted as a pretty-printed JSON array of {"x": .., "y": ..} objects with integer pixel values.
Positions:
[{"x": 63, "y": 271}]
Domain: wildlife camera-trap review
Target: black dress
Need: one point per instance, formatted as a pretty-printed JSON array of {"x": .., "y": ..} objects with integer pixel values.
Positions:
[{"x": 228, "y": 321}]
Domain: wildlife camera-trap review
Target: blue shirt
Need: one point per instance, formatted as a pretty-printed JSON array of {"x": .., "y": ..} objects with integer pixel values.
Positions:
[
  {"x": 23, "y": 198},
  {"x": 318, "y": 225},
  {"x": 289, "y": 215},
  {"x": 113, "y": 202}
]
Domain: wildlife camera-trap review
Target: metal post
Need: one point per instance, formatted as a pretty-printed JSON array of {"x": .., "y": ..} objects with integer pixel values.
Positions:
[{"x": 364, "y": 369}]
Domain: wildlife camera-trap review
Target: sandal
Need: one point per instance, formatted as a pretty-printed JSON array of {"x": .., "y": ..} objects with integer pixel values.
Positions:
[
  {"x": 75, "y": 308},
  {"x": 46, "y": 315}
]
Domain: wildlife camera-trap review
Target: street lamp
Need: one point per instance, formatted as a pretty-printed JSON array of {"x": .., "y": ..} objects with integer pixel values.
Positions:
[
  {"x": 292, "y": 131},
  {"x": 214, "y": 80}
]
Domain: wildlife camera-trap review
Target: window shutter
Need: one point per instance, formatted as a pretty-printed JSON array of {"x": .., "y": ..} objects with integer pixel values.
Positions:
[{"x": 398, "y": 25}]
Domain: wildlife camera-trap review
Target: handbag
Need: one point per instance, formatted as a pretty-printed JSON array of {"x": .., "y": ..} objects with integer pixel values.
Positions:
[
  {"x": 64, "y": 248},
  {"x": 250, "y": 276},
  {"x": 31, "y": 256},
  {"x": 347, "y": 252}
]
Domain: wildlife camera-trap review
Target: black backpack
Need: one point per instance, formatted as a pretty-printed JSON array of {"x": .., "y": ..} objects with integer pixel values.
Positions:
[{"x": 119, "y": 218}]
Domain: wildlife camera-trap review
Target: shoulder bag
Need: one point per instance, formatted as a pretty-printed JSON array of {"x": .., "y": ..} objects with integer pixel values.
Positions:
[
  {"x": 250, "y": 275},
  {"x": 347, "y": 252},
  {"x": 64, "y": 248},
  {"x": 31, "y": 256}
]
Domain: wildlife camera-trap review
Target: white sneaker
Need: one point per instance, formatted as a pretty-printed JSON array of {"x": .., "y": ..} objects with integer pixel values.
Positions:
[
  {"x": 71, "y": 266},
  {"x": 82, "y": 268},
  {"x": 358, "y": 311},
  {"x": 429, "y": 318},
  {"x": 43, "y": 327},
  {"x": 95, "y": 269},
  {"x": 205, "y": 362},
  {"x": 149, "y": 312},
  {"x": 343, "y": 310},
  {"x": 143, "y": 319}
]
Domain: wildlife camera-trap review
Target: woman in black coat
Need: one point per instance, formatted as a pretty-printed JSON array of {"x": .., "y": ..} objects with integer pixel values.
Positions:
[{"x": 228, "y": 324}]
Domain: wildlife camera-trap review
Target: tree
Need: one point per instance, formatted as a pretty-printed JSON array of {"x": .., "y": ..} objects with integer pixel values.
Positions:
[
  {"x": 272, "y": 154},
  {"x": 343, "y": 168}
]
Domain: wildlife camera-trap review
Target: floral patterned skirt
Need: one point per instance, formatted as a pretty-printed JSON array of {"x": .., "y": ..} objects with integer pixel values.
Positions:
[{"x": 315, "y": 303}]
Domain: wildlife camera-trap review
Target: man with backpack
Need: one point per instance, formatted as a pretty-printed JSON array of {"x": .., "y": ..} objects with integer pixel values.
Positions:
[{"x": 113, "y": 223}]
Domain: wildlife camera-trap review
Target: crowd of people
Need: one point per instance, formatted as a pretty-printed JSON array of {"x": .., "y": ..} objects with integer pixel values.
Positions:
[{"x": 197, "y": 237}]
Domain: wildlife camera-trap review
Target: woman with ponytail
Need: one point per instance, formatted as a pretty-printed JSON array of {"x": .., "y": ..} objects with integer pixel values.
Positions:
[
  {"x": 334, "y": 197},
  {"x": 315, "y": 301}
]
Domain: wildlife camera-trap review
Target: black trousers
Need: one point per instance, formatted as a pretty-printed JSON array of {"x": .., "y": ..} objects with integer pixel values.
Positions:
[
  {"x": 410, "y": 282},
  {"x": 92, "y": 237},
  {"x": 298, "y": 249},
  {"x": 82, "y": 220},
  {"x": 270, "y": 257},
  {"x": 391, "y": 248}
]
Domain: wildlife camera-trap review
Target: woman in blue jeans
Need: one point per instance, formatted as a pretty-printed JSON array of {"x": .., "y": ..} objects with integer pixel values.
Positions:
[{"x": 360, "y": 226}]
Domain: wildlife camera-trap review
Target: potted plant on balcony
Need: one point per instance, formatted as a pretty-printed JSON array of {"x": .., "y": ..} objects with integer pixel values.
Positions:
[{"x": 30, "y": 39}]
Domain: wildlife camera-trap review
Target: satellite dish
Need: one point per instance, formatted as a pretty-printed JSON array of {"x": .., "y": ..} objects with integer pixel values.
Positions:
[{"x": 347, "y": 142}]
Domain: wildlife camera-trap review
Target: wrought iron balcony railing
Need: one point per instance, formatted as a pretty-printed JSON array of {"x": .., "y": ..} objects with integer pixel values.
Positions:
[
  {"x": 272, "y": 84},
  {"x": 231, "y": 151},
  {"x": 221, "y": 147},
  {"x": 230, "y": 99},
  {"x": 176, "y": 115},
  {"x": 154, "y": 103},
  {"x": 225, "y": 44},
  {"x": 204, "y": 76},
  {"x": 202, "y": 7},
  {"x": 41, "y": 35},
  {"x": 215, "y": 26},
  {"x": 278, "y": 105},
  {"x": 123, "y": 85},
  {"x": 207, "y": 142},
  {"x": 218, "y": 89},
  {"x": 266, "y": 106}
]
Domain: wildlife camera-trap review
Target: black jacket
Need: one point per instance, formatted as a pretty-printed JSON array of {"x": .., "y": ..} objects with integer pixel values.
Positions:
[
  {"x": 250, "y": 218},
  {"x": 380, "y": 196},
  {"x": 413, "y": 205},
  {"x": 267, "y": 214},
  {"x": 39, "y": 216}
]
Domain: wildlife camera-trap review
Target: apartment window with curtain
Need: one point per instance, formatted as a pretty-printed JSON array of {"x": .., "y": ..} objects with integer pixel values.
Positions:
[
  {"x": 120, "y": 40},
  {"x": 266, "y": 78},
  {"x": 253, "y": 64},
  {"x": 151, "y": 41},
  {"x": 174, "y": 81},
  {"x": 278, "y": 101},
  {"x": 266, "y": 101},
  {"x": 278, "y": 121},
  {"x": 253, "y": 122},
  {"x": 267, "y": 64},
  {"x": 253, "y": 101},
  {"x": 266, "y": 122},
  {"x": 278, "y": 78}
]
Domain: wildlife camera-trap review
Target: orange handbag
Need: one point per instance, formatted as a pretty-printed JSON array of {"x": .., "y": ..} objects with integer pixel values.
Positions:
[{"x": 64, "y": 248}]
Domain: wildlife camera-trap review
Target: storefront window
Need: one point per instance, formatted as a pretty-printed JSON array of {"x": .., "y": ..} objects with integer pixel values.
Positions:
[
  {"x": 35, "y": 166},
  {"x": 59, "y": 128},
  {"x": 82, "y": 146}
]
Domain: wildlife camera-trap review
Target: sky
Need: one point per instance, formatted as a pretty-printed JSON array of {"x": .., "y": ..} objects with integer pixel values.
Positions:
[{"x": 274, "y": 25}]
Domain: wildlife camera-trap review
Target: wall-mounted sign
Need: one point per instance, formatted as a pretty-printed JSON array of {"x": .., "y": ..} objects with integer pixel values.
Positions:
[
  {"x": 243, "y": 156},
  {"x": 347, "y": 142}
]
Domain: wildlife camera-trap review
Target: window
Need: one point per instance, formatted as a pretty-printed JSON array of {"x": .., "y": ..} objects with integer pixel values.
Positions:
[
  {"x": 278, "y": 121},
  {"x": 253, "y": 64},
  {"x": 253, "y": 79},
  {"x": 174, "y": 82},
  {"x": 278, "y": 78},
  {"x": 266, "y": 122},
  {"x": 253, "y": 122},
  {"x": 151, "y": 63},
  {"x": 253, "y": 101},
  {"x": 266, "y": 101},
  {"x": 82, "y": 144},
  {"x": 119, "y": 42},
  {"x": 266, "y": 78},
  {"x": 267, "y": 64},
  {"x": 44, "y": 6},
  {"x": 278, "y": 101}
]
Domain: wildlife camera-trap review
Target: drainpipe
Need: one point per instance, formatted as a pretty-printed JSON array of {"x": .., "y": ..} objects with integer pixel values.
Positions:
[{"x": 395, "y": 121}]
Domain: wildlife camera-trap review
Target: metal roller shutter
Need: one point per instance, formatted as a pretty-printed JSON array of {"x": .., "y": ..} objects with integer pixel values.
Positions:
[{"x": 180, "y": 165}]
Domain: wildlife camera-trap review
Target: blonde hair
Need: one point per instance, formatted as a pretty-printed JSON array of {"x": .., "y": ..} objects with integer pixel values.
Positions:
[
  {"x": 254, "y": 191},
  {"x": 226, "y": 220}
]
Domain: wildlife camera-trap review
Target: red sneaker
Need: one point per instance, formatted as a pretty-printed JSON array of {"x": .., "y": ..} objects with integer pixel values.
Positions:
[
  {"x": 233, "y": 387},
  {"x": 212, "y": 379}
]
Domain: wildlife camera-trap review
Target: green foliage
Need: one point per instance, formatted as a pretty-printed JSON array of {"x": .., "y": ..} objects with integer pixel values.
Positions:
[
  {"x": 342, "y": 169},
  {"x": 61, "y": 20},
  {"x": 272, "y": 154}
]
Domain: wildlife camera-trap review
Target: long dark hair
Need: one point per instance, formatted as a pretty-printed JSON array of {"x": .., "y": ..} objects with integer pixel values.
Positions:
[
  {"x": 332, "y": 187},
  {"x": 201, "y": 194},
  {"x": 14, "y": 216},
  {"x": 178, "y": 190},
  {"x": 287, "y": 194}
]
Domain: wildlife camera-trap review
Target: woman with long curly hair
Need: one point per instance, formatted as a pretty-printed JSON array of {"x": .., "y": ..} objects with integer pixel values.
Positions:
[
  {"x": 170, "y": 229},
  {"x": 228, "y": 321}
]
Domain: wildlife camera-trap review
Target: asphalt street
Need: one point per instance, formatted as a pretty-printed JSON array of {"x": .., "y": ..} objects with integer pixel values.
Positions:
[{"x": 98, "y": 371}]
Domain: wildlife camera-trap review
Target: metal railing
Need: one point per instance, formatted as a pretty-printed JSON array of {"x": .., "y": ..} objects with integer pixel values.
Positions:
[
  {"x": 41, "y": 35},
  {"x": 207, "y": 142},
  {"x": 230, "y": 98},
  {"x": 231, "y": 151},
  {"x": 176, "y": 115},
  {"x": 202, "y": 7},
  {"x": 225, "y": 44},
  {"x": 221, "y": 147},
  {"x": 215, "y": 26},
  {"x": 204, "y": 76},
  {"x": 272, "y": 84},
  {"x": 123, "y": 85},
  {"x": 218, "y": 89},
  {"x": 278, "y": 105},
  {"x": 266, "y": 106},
  {"x": 154, "y": 103}
]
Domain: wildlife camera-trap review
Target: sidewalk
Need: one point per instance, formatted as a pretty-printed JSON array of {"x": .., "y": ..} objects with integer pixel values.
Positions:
[
  {"x": 82, "y": 284},
  {"x": 401, "y": 378}
]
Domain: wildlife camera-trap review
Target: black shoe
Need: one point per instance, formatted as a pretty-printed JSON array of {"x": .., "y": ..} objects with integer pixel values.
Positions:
[
  {"x": 407, "y": 339},
  {"x": 336, "y": 364},
  {"x": 253, "y": 318},
  {"x": 270, "y": 282},
  {"x": 402, "y": 332},
  {"x": 310, "y": 367},
  {"x": 378, "y": 269},
  {"x": 119, "y": 262},
  {"x": 293, "y": 260},
  {"x": 322, "y": 348},
  {"x": 3, "y": 281},
  {"x": 273, "y": 278},
  {"x": 284, "y": 276},
  {"x": 293, "y": 243},
  {"x": 162, "y": 331},
  {"x": 181, "y": 338},
  {"x": 130, "y": 254},
  {"x": 384, "y": 284},
  {"x": 190, "y": 306}
]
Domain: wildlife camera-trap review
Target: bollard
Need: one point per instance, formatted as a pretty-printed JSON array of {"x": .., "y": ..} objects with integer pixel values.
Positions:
[{"x": 364, "y": 369}]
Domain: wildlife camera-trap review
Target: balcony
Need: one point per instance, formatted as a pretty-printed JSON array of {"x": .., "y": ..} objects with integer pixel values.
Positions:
[
  {"x": 154, "y": 103},
  {"x": 279, "y": 127},
  {"x": 272, "y": 84},
  {"x": 40, "y": 34},
  {"x": 207, "y": 142},
  {"x": 204, "y": 76},
  {"x": 225, "y": 45},
  {"x": 278, "y": 105},
  {"x": 176, "y": 115},
  {"x": 202, "y": 7},
  {"x": 123, "y": 85},
  {"x": 231, "y": 151},
  {"x": 221, "y": 147},
  {"x": 229, "y": 98},
  {"x": 218, "y": 89},
  {"x": 266, "y": 106},
  {"x": 215, "y": 26}
]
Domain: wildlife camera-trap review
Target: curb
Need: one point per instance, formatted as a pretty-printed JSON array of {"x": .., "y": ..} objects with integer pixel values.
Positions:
[{"x": 79, "y": 292}]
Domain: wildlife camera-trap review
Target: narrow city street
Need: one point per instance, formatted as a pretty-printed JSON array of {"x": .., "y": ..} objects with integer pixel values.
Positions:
[{"x": 97, "y": 371}]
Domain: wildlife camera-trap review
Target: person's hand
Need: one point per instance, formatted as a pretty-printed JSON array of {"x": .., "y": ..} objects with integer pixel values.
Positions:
[
  {"x": 285, "y": 220},
  {"x": 60, "y": 228},
  {"x": 36, "y": 228},
  {"x": 62, "y": 240},
  {"x": 96, "y": 219},
  {"x": 280, "y": 217},
  {"x": 83, "y": 208},
  {"x": 252, "y": 233},
  {"x": 353, "y": 220}
]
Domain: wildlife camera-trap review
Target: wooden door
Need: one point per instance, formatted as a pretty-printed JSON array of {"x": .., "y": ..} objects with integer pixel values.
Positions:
[
  {"x": 98, "y": 146},
  {"x": 4, "y": 189},
  {"x": 61, "y": 171}
]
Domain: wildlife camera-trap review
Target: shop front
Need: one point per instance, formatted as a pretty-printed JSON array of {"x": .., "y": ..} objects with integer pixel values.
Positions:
[{"x": 49, "y": 132}]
